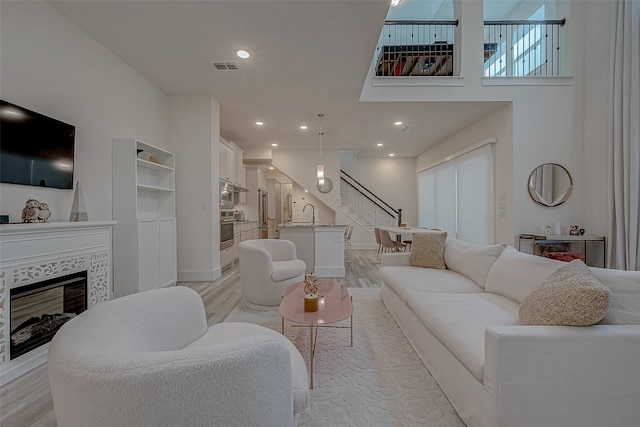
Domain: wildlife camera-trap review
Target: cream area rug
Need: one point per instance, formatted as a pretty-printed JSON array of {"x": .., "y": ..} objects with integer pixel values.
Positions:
[{"x": 380, "y": 381}]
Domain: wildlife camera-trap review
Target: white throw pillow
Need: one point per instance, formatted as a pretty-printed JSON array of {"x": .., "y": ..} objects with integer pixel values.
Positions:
[
  {"x": 515, "y": 274},
  {"x": 625, "y": 295},
  {"x": 471, "y": 260},
  {"x": 570, "y": 296}
]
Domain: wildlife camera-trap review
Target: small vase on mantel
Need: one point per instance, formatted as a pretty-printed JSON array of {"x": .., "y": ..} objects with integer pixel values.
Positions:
[
  {"x": 78, "y": 207},
  {"x": 557, "y": 230}
]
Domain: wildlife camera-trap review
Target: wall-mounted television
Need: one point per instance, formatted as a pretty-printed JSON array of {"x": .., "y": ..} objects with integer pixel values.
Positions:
[{"x": 35, "y": 149}]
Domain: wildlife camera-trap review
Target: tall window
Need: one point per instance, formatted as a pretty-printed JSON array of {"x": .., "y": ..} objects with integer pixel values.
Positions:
[
  {"x": 457, "y": 196},
  {"x": 528, "y": 48}
]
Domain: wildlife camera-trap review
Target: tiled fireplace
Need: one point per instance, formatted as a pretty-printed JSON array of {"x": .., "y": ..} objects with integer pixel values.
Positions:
[{"x": 51, "y": 272}]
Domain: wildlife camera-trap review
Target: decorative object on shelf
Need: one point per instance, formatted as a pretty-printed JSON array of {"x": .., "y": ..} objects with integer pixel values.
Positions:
[
  {"x": 31, "y": 211},
  {"x": 550, "y": 184},
  {"x": 548, "y": 230},
  {"x": 556, "y": 229},
  {"x": 582, "y": 231},
  {"x": 45, "y": 213},
  {"x": 78, "y": 207},
  {"x": 147, "y": 156},
  {"x": 574, "y": 230}
]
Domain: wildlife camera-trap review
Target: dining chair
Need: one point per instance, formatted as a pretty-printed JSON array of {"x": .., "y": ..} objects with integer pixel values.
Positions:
[
  {"x": 348, "y": 230},
  {"x": 376, "y": 231},
  {"x": 388, "y": 243}
]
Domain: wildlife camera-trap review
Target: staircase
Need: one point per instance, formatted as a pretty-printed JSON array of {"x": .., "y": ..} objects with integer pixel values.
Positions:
[{"x": 364, "y": 207}]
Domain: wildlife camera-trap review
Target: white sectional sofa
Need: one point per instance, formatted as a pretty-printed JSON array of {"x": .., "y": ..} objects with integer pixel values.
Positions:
[{"x": 464, "y": 324}]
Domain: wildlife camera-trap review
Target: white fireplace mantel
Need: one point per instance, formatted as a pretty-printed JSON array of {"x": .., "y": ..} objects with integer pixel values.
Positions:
[{"x": 30, "y": 253}]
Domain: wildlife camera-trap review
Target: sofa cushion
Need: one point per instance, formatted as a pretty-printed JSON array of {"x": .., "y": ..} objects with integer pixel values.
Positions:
[
  {"x": 459, "y": 322},
  {"x": 405, "y": 280},
  {"x": 471, "y": 260},
  {"x": 625, "y": 295},
  {"x": 515, "y": 274},
  {"x": 283, "y": 270},
  {"x": 427, "y": 249},
  {"x": 570, "y": 296}
]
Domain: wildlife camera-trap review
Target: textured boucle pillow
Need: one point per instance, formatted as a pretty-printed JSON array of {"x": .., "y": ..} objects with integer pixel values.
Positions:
[
  {"x": 570, "y": 296},
  {"x": 427, "y": 249}
]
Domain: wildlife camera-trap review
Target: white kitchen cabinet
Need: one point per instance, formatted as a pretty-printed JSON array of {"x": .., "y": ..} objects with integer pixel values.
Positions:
[
  {"x": 227, "y": 162},
  {"x": 241, "y": 177},
  {"x": 144, "y": 238}
]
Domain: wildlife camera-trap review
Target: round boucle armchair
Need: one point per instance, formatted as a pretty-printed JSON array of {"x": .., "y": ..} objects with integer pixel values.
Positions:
[
  {"x": 149, "y": 359},
  {"x": 267, "y": 268}
]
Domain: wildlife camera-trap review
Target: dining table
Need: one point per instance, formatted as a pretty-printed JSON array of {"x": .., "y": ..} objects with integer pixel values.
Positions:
[{"x": 399, "y": 231}]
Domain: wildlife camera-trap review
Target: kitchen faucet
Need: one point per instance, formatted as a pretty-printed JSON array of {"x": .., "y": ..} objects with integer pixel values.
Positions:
[{"x": 313, "y": 212}]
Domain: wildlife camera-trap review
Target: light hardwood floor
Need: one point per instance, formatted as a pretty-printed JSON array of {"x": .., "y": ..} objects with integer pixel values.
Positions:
[{"x": 26, "y": 401}]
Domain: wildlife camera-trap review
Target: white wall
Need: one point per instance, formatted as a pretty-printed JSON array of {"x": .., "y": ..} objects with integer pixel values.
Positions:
[
  {"x": 51, "y": 66},
  {"x": 194, "y": 138}
]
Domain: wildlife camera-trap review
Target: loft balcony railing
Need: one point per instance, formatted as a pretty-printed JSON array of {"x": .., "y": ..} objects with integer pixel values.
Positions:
[
  {"x": 523, "y": 48},
  {"x": 520, "y": 48},
  {"x": 416, "y": 48}
]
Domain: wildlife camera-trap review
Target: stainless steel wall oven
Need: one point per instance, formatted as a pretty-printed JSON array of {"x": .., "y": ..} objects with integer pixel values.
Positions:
[{"x": 226, "y": 231}]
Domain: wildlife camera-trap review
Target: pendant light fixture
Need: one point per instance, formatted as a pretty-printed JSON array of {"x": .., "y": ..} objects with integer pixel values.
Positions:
[{"x": 320, "y": 167}]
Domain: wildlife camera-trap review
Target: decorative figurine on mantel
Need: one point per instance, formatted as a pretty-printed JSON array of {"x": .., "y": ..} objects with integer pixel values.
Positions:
[
  {"x": 31, "y": 211},
  {"x": 574, "y": 230},
  {"x": 45, "y": 213}
]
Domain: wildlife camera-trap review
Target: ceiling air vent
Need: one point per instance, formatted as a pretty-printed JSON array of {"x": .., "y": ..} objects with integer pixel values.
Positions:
[{"x": 225, "y": 65}]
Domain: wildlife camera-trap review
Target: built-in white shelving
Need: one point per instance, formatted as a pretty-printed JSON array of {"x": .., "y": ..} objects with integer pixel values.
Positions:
[{"x": 144, "y": 206}]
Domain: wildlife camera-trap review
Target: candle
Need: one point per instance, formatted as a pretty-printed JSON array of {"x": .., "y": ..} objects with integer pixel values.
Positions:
[{"x": 321, "y": 304}]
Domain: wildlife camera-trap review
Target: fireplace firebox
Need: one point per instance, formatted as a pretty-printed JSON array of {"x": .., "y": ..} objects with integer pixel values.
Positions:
[{"x": 40, "y": 309}]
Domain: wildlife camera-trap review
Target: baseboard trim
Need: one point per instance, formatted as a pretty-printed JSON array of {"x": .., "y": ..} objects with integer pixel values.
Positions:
[{"x": 199, "y": 275}]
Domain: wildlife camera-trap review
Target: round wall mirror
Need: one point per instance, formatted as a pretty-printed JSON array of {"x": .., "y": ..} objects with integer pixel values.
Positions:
[
  {"x": 326, "y": 187},
  {"x": 550, "y": 184}
]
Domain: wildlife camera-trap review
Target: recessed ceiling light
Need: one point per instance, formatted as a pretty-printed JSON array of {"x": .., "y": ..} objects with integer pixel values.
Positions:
[
  {"x": 260, "y": 123},
  {"x": 243, "y": 54},
  {"x": 379, "y": 144},
  {"x": 304, "y": 127},
  {"x": 274, "y": 144},
  {"x": 398, "y": 123},
  {"x": 271, "y": 167},
  {"x": 395, "y": 2},
  {"x": 391, "y": 154}
]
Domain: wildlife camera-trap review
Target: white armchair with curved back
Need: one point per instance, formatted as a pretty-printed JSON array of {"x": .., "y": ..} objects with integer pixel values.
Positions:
[
  {"x": 149, "y": 360},
  {"x": 267, "y": 268}
]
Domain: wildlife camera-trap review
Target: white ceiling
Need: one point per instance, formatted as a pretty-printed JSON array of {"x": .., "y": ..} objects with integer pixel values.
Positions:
[{"x": 308, "y": 57}]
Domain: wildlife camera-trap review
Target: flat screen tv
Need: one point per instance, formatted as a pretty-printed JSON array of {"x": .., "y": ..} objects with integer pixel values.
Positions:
[{"x": 35, "y": 149}]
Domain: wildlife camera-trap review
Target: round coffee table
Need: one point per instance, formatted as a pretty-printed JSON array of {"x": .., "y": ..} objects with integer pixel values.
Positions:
[{"x": 336, "y": 305}]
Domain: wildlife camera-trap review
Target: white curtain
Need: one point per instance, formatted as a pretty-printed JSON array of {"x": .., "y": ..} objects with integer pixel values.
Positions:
[{"x": 624, "y": 228}]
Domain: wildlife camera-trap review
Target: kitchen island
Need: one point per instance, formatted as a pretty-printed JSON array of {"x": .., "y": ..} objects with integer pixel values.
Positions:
[{"x": 320, "y": 246}]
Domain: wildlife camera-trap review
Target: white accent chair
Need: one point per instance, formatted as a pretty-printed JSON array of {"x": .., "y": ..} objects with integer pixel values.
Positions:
[
  {"x": 267, "y": 268},
  {"x": 149, "y": 360}
]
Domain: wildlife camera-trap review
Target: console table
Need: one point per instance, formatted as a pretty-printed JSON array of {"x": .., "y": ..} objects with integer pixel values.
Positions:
[{"x": 585, "y": 240}]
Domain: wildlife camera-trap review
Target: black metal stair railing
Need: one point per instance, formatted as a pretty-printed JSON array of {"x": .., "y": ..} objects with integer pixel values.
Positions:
[{"x": 367, "y": 206}]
